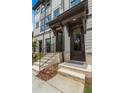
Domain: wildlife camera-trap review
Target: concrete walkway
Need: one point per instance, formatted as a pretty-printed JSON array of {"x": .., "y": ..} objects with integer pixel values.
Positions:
[
  {"x": 39, "y": 86},
  {"x": 58, "y": 84}
]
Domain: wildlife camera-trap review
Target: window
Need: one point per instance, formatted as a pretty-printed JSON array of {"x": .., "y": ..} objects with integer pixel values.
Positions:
[
  {"x": 56, "y": 12},
  {"x": 48, "y": 4},
  {"x": 37, "y": 10},
  {"x": 40, "y": 46},
  {"x": 48, "y": 44},
  {"x": 37, "y": 25},
  {"x": 42, "y": 28},
  {"x": 42, "y": 24},
  {"x": 74, "y": 2},
  {"x": 42, "y": 10},
  {"x": 48, "y": 19},
  {"x": 42, "y": 21}
]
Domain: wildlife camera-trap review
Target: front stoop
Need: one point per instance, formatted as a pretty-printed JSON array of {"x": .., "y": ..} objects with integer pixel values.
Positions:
[
  {"x": 50, "y": 59},
  {"x": 74, "y": 71}
]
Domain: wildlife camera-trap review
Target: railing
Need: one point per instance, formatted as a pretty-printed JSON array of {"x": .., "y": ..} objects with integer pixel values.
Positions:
[{"x": 48, "y": 49}]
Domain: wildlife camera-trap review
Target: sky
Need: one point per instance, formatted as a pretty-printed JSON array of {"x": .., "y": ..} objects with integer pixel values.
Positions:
[{"x": 33, "y": 3}]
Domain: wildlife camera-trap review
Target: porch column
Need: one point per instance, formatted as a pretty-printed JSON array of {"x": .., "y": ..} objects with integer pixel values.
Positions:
[{"x": 66, "y": 44}]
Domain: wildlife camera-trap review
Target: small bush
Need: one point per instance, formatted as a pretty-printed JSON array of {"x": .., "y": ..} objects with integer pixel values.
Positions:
[{"x": 36, "y": 57}]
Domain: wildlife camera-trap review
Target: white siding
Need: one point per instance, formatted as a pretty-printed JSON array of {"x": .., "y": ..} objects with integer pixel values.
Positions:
[
  {"x": 88, "y": 35},
  {"x": 89, "y": 22},
  {"x": 90, "y": 6},
  {"x": 88, "y": 41},
  {"x": 36, "y": 31},
  {"x": 56, "y": 4},
  {"x": 37, "y": 17},
  {"x": 66, "y": 5}
]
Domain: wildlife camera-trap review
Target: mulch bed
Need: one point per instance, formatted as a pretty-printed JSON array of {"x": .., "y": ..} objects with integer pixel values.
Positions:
[{"x": 48, "y": 73}]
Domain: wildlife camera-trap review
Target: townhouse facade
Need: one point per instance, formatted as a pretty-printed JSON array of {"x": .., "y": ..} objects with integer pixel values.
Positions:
[{"x": 64, "y": 26}]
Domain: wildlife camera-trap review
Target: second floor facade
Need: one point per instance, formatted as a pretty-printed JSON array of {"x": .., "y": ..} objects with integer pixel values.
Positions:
[{"x": 49, "y": 10}]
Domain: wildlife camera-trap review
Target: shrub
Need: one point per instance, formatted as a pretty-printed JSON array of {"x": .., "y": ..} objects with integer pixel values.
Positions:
[{"x": 36, "y": 57}]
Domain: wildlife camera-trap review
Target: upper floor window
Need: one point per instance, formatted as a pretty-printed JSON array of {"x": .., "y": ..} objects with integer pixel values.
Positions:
[
  {"x": 48, "y": 8},
  {"x": 48, "y": 19},
  {"x": 42, "y": 21},
  {"x": 48, "y": 5},
  {"x": 74, "y": 2},
  {"x": 56, "y": 13},
  {"x": 37, "y": 10},
  {"x": 37, "y": 25},
  {"x": 42, "y": 25},
  {"x": 42, "y": 10}
]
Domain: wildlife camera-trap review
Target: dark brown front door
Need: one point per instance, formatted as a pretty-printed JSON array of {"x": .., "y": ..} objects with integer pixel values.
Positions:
[{"x": 77, "y": 44}]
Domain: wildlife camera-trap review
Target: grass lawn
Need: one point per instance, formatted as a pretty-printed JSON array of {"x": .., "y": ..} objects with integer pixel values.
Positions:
[{"x": 88, "y": 88}]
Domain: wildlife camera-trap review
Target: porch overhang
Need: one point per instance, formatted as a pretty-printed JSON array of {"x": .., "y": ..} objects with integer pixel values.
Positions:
[{"x": 65, "y": 17}]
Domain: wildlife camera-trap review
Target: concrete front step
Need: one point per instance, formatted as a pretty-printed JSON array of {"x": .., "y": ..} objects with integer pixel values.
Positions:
[
  {"x": 35, "y": 68},
  {"x": 44, "y": 63},
  {"x": 72, "y": 74},
  {"x": 74, "y": 71},
  {"x": 34, "y": 72},
  {"x": 74, "y": 67},
  {"x": 45, "y": 59},
  {"x": 49, "y": 54},
  {"x": 42, "y": 66}
]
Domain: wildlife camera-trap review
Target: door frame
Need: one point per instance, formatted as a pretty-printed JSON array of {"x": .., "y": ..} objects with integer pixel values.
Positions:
[{"x": 82, "y": 43}]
